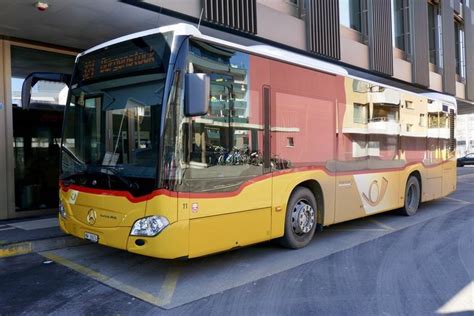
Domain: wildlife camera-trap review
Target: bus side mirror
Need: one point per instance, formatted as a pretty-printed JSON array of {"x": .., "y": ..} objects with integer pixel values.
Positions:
[
  {"x": 196, "y": 96},
  {"x": 33, "y": 78}
]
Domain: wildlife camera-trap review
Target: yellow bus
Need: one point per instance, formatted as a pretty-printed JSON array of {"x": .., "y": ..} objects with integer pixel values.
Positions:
[{"x": 178, "y": 145}]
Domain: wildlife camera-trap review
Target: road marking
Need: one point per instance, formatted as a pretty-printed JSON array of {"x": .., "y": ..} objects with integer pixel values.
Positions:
[
  {"x": 461, "y": 302},
  {"x": 169, "y": 285},
  {"x": 164, "y": 297},
  {"x": 6, "y": 228},
  {"x": 466, "y": 182},
  {"x": 358, "y": 229},
  {"x": 15, "y": 249},
  {"x": 457, "y": 200},
  {"x": 380, "y": 224}
]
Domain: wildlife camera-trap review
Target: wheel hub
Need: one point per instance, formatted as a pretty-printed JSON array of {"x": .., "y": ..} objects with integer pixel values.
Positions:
[{"x": 303, "y": 218}]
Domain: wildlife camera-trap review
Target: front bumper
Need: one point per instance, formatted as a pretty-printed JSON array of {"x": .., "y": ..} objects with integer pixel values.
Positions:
[{"x": 171, "y": 243}]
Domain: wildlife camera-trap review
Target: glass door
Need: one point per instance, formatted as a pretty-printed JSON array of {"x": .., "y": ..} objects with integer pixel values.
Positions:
[{"x": 37, "y": 130}]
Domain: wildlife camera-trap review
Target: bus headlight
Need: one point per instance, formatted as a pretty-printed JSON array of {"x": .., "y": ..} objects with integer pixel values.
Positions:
[
  {"x": 62, "y": 210},
  {"x": 149, "y": 226}
]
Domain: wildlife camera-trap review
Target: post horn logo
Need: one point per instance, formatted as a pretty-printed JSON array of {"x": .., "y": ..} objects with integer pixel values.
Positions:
[
  {"x": 91, "y": 216},
  {"x": 376, "y": 192}
]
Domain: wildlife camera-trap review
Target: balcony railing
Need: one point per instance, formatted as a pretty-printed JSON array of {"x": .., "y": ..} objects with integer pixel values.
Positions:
[{"x": 383, "y": 125}]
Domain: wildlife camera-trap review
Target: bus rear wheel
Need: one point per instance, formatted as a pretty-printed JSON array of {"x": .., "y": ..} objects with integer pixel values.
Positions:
[
  {"x": 412, "y": 197},
  {"x": 301, "y": 219}
]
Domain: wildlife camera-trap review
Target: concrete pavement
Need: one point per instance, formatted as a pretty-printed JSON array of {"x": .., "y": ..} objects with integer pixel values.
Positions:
[{"x": 22, "y": 236}]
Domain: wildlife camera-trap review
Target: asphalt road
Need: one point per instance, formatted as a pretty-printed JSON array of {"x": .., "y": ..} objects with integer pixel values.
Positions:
[
  {"x": 465, "y": 170},
  {"x": 382, "y": 265}
]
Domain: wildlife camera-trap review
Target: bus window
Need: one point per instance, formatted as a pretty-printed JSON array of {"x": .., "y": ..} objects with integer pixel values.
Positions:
[{"x": 226, "y": 144}]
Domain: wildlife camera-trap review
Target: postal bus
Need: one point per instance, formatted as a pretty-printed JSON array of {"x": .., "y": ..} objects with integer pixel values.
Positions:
[{"x": 176, "y": 144}]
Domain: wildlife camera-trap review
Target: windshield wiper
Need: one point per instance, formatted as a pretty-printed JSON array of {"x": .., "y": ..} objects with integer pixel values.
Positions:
[
  {"x": 115, "y": 172},
  {"x": 72, "y": 155},
  {"x": 69, "y": 180}
]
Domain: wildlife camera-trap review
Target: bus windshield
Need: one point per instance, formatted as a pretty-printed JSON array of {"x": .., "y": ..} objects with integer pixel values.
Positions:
[{"x": 111, "y": 124}]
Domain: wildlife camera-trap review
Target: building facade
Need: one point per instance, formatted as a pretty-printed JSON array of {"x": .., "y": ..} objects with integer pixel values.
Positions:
[{"x": 428, "y": 45}]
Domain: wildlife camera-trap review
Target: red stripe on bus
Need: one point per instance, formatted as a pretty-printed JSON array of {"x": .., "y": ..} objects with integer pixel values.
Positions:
[{"x": 203, "y": 195}]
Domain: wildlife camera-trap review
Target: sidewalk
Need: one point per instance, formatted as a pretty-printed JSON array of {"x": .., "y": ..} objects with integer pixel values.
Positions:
[{"x": 22, "y": 236}]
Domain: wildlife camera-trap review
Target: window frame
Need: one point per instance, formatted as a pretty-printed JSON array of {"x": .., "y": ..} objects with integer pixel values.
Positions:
[
  {"x": 435, "y": 35},
  {"x": 460, "y": 50},
  {"x": 401, "y": 8},
  {"x": 361, "y": 14}
]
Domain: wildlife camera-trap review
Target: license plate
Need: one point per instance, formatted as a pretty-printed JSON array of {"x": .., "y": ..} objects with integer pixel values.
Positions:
[{"x": 91, "y": 237}]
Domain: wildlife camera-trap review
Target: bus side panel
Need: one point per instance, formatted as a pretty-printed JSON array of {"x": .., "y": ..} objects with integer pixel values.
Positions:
[
  {"x": 449, "y": 177},
  {"x": 223, "y": 232},
  {"x": 365, "y": 194},
  {"x": 222, "y": 221},
  {"x": 369, "y": 161},
  {"x": 303, "y": 134},
  {"x": 432, "y": 183}
]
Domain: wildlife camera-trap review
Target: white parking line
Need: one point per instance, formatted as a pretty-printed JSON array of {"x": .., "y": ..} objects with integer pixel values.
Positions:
[
  {"x": 463, "y": 301},
  {"x": 378, "y": 223},
  {"x": 6, "y": 228},
  {"x": 457, "y": 200}
]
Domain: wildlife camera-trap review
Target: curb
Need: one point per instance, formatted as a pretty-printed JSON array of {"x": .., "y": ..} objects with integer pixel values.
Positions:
[{"x": 25, "y": 247}]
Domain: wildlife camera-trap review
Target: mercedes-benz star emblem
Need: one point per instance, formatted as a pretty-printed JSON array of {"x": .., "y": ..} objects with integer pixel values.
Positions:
[{"x": 91, "y": 216}]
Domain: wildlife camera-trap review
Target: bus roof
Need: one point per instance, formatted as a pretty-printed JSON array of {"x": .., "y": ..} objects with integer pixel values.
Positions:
[
  {"x": 266, "y": 50},
  {"x": 440, "y": 97},
  {"x": 274, "y": 53}
]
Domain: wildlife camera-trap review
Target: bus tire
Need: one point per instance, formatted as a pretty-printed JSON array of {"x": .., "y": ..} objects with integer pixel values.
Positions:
[
  {"x": 412, "y": 197},
  {"x": 301, "y": 219}
]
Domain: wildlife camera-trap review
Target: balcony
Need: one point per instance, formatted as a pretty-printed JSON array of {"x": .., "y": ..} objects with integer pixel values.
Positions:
[
  {"x": 387, "y": 96},
  {"x": 439, "y": 132},
  {"x": 383, "y": 125}
]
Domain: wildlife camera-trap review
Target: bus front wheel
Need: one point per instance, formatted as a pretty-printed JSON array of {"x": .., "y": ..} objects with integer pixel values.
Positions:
[
  {"x": 301, "y": 219},
  {"x": 412, "y": 196}
]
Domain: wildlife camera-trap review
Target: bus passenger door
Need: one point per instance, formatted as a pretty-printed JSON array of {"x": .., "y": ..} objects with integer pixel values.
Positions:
[{"x": 228, "y": 184}]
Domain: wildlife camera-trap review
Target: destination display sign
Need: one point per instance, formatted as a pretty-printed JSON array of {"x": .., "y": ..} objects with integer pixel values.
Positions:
[
  {"x": 111, "y": 65},
  {"x": 128, "y": 57}
]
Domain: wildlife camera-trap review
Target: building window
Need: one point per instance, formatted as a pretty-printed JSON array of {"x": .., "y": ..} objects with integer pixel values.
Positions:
[
  {"x": 361, "y": 113},
  {"x": 291, "y": 142},
  {"x": 460, "y": 52},
  {"x": 409, "y": 105},
  {"x": 434, "y": 35},
  {"x": 353, "y": 14},
  {"x": 401, "y": 25}
]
